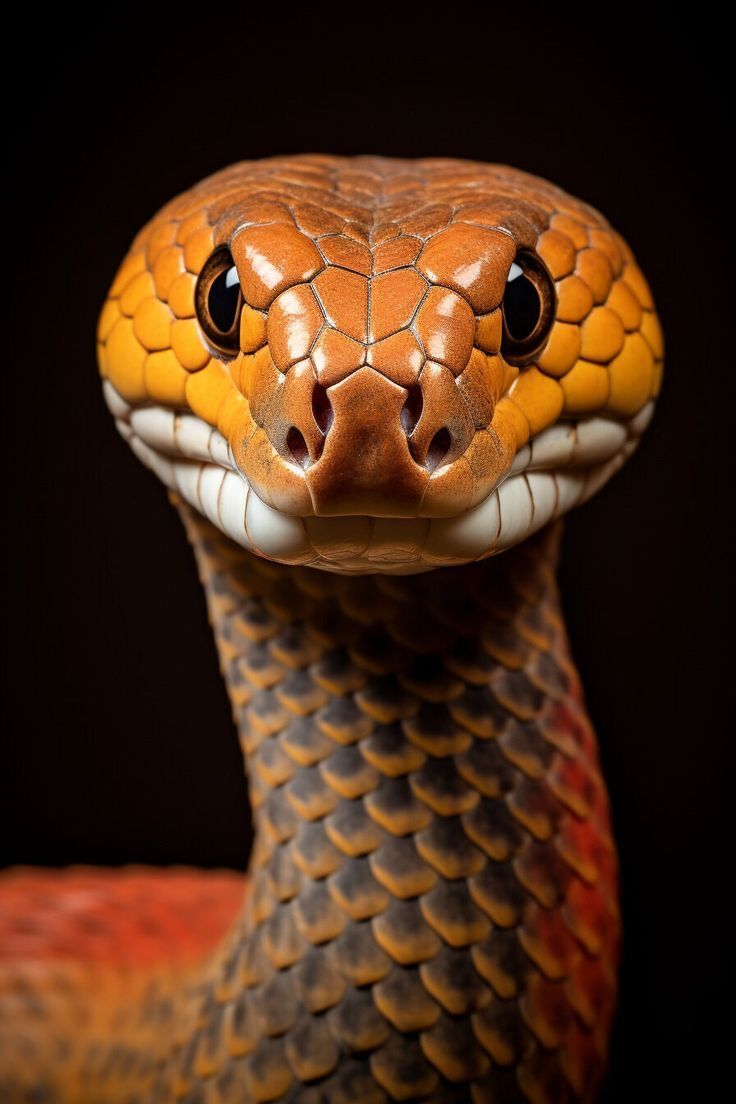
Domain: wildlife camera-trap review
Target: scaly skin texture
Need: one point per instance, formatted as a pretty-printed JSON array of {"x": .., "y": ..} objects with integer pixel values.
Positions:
[
  {"x": 99, "y": 970},
  {"x": 431, "y": 908},
  {"x": 432, "y": 912},
  {"x": 365, "y": 278}
]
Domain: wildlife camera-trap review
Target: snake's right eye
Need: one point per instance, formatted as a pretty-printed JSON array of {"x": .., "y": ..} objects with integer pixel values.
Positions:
[
  {"x": 219, "y": 300},
  {"x": 528, "y": 309}
]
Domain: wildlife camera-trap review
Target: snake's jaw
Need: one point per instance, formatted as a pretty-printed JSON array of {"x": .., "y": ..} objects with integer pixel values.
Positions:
[{"x": 369, "y": 402}]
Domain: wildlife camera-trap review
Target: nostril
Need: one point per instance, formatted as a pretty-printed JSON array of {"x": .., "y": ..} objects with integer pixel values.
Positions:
[
  {"x": 438, "y": 449},
  {"x": 321, "y": 408},
  {"x": 297, "y": 446},
  {"x": 411, "y": 411}
]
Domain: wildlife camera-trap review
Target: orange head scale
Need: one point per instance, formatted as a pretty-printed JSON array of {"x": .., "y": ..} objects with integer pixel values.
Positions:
[{"x": 370, "y": 365}]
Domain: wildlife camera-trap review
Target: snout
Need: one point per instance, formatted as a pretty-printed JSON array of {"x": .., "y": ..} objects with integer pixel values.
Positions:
[{"x": 367, "y": 445}]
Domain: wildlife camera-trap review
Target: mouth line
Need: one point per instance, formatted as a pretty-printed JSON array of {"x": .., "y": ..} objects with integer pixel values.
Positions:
[{"x": 560, "y": 468}]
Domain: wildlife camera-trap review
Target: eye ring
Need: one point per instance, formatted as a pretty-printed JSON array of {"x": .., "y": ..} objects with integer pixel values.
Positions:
[
  {"x": 528, "y": 309},
  {"x": 218, "y": 301}
]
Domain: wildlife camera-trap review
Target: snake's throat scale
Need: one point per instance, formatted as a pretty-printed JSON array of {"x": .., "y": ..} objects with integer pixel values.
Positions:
[{"x": 389, "y": 371}]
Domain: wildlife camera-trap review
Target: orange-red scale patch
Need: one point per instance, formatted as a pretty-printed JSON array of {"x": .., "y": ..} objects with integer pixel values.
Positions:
[{"x": 131, "y": 917}]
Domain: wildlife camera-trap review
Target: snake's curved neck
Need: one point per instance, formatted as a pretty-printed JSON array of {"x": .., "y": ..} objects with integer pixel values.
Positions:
[{"x": 431, "y": 910}]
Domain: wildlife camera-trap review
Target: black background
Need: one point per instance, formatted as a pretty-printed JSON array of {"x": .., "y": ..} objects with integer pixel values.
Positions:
[{"x": 119, "y": 743}]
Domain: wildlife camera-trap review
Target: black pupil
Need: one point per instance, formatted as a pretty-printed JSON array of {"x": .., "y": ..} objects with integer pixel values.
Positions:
[
  {"x": 223, "y": 299},
  {"x": 521, "y": 307}
]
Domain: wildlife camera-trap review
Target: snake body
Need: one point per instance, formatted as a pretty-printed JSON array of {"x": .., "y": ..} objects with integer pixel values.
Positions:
[{"x": 431, "y": 911}]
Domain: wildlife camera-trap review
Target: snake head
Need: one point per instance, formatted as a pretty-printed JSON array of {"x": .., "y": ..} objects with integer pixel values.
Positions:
[{"x": 370, "y": 365}]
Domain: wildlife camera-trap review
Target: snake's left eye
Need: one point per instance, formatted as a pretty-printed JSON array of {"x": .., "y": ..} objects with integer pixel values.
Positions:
[
  {"x": 219, "y": 301},
  {"x": 528, "y": 309}
]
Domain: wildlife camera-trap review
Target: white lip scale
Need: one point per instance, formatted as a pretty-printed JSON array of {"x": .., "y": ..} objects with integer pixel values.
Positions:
[{"x": 560, "y": 468}]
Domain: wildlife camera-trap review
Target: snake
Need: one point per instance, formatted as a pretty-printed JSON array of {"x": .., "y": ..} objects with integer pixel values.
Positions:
[{"x": 372, "y": 387}]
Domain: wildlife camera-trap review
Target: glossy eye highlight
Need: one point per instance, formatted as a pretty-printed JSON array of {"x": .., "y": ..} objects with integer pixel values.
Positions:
[
  {"x": 219, "y": 301},
  {"x": 528, "y": 309}
]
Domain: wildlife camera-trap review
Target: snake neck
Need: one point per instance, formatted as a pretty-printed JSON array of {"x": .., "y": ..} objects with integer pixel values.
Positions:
[{"x": 431, "y": 908}]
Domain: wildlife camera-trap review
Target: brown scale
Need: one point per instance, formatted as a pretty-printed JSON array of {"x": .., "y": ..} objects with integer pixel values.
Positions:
[
  {"x": 431, "y": 910},
  {"x": 432, "y": 906}
]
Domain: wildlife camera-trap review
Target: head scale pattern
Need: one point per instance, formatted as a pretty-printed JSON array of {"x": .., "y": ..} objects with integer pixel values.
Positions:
[{"x": 369, "y": 417}]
